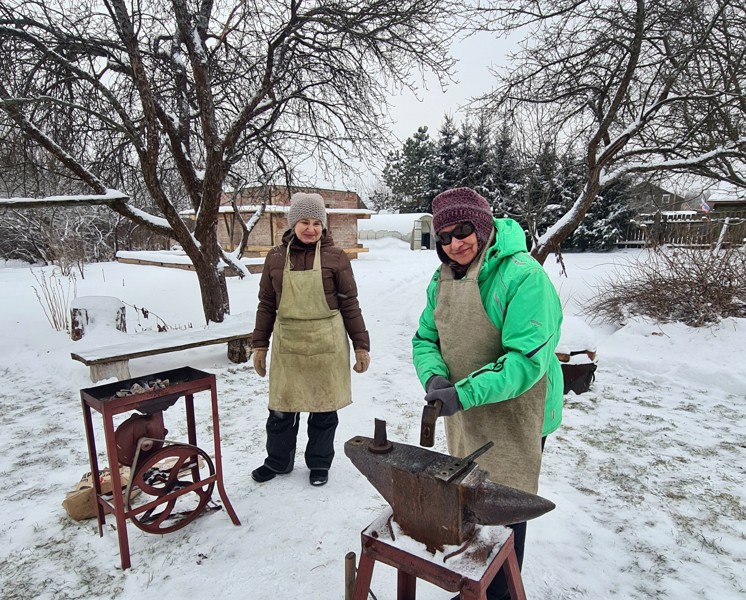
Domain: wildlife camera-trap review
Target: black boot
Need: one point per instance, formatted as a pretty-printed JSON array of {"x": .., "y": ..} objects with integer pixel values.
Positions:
[
  {"x": 320, "y": 447},
  {"x": 318, "y": 476},
  {"x": 264, "y": 473}
]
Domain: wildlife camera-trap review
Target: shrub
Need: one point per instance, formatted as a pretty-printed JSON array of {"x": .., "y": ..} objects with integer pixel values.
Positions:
[
  {"x": 54, "y": 295},
  {"x": 697, "y": 287}
]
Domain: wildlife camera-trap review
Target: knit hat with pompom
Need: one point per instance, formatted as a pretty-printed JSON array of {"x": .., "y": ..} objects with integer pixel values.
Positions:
[{"x": 306, "y": 206}]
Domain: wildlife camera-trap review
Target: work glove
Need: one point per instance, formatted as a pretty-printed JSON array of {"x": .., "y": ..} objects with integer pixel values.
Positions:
[
  {"x": 437, "y": 382},
  {"x": 449, "y": 399},
  {"x": 260, "y": 361},
  {"x": 362, "y": 360}
]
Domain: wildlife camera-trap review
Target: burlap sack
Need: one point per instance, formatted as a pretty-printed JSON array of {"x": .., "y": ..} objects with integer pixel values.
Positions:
[{"x": 80, "y": 504}]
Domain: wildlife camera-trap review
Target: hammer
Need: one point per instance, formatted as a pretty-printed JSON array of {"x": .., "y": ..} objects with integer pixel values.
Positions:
[{"x": 430, "y": 414}]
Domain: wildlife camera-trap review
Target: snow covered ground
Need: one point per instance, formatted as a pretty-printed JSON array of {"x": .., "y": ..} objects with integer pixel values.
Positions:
[{"x": 647, "y": 471}]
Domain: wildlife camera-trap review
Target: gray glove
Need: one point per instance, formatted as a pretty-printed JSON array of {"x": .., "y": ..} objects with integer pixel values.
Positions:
[
  {"x": 436, "y": 382},
  {"x": 449, "y": 398}
]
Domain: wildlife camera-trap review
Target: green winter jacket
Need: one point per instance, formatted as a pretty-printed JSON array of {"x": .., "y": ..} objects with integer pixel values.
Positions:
[{"x": 521, "y": 301}]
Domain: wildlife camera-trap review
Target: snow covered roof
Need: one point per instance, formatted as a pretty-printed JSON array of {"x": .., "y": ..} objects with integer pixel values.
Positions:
[
  {"x": 108, "y": 197},
  {"x": 280, "y": 209}
]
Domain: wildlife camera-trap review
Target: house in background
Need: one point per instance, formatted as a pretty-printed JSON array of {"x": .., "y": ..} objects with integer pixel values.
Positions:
[
  {"x": 712, "y": 218},
  {"x": 344, "y": 208},
  {"x": 725, "y": 201},
  {"x": 648, "y": 198}
]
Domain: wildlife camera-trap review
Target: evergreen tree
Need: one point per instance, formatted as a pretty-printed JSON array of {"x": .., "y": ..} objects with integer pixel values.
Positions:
[
  {"x": 544, "y": 185},
  {"x": 606, "y": 220},
  {"x": 446, "y": 171},
  {"x": 505, "y": 169},
  {"x": 482, "y": 177},
  {"x": 409, "y": 173},
  {"x": 465, "y": 158}
]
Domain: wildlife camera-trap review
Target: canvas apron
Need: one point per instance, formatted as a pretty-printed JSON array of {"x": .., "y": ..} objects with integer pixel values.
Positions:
[
  {"x": 468, "y": 341},
  {"x": 310, "y": 362}
]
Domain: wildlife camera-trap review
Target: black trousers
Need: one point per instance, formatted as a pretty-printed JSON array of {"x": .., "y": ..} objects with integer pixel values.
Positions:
[
  {"x": 498, "y": 588},
  {"x": 282, "y": 435}
]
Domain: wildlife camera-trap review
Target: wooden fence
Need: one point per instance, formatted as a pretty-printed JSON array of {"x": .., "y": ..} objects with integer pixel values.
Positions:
[{"x": 686, "y": 228}]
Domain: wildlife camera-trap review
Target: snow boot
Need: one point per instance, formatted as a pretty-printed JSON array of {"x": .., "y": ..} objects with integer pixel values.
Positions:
[{"x": 318, "y": 476}]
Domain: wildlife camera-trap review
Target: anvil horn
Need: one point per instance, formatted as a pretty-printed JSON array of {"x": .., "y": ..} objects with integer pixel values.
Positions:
[{"x": 438, "y": 499}]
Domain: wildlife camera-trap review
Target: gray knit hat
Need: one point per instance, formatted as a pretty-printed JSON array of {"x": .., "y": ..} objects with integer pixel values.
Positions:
[
  {"x": 306, "y": 206},
  {"x": 460, "y": 205}
]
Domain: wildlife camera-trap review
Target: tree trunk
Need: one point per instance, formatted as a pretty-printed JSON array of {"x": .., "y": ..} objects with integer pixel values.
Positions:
[{"x": 214, "y": 292}]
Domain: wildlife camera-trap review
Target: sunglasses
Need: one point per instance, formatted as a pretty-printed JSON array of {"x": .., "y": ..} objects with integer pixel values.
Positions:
[{"x": 460, "y": 232}]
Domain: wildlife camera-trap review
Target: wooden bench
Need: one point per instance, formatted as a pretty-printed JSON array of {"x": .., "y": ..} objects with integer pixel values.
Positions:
[{"x": 112, "y": 360}]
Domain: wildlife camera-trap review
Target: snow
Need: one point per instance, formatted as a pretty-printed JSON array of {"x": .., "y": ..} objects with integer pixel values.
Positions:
[
  {"x": 148, "y": 218},
  {"x": 281, "y": 209},
  {"x": 386, "y": 530},
  {"x": 647, "y": 469},
  {"x": 109, "y": 196},
  {"x": 171, "y": 257},
  {"x": 402, "y": 223},
  {"x": 118, "y": 345}
]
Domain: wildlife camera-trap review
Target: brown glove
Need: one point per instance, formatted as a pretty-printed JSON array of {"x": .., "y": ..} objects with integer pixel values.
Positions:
[
  {"x": 260, "y": 361},
  {"x": 362, "y": 361}
]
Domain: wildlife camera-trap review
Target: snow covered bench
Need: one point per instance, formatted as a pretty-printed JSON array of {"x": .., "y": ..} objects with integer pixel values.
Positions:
[{"x": 112, "y": 360}]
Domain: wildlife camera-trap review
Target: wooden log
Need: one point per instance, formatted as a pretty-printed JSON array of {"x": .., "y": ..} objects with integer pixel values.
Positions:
[
  {"x": 105, "y": 311},
  {"x": 239, "y": 350}
]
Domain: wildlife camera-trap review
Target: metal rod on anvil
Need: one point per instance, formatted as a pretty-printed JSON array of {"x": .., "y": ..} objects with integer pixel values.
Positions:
[{"x": 380, "y": 443}]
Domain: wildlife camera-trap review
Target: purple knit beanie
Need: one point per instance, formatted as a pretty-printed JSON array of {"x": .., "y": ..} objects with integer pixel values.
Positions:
[{"x": 460, "y": 205}]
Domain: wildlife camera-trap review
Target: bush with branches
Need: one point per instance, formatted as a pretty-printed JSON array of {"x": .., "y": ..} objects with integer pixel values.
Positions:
[
  {"x": 697, "y": 287},
  {"x": 54, "y": 295}
]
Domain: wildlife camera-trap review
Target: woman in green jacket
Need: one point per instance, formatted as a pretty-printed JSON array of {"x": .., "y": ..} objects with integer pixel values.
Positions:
[{"x": 485, "y": 346}]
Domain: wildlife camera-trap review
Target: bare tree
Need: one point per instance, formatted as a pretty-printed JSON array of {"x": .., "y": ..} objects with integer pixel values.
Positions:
[
  {"x": 640, "y": 86},
  {"x": 198, "y": 91}
]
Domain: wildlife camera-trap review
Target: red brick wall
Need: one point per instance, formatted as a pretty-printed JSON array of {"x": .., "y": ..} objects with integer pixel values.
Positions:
[
  {"x": 344, "y": 230},
  {"x": 281, "y": 197},
  {"x": 343, "y": 227}
]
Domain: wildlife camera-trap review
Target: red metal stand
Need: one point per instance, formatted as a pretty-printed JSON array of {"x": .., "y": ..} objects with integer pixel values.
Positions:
[
  {"x": 185, "y": 382},
  {"x": 469, "y": 578}
]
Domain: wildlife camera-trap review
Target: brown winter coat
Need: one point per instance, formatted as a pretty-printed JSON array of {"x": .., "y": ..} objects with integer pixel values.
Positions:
[{"x": 339, "y": 287}]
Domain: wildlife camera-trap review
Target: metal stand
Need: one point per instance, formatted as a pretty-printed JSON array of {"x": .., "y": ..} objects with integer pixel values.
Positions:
[
  {"x": 469, "y": 578},
  {"x": 185, "y": 382}
]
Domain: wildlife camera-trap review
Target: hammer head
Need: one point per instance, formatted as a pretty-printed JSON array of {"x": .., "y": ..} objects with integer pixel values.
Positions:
[{"x": 430, "y": 414}]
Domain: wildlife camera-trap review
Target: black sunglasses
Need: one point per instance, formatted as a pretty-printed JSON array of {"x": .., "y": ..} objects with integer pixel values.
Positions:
[{"x": 460, "y": 232}]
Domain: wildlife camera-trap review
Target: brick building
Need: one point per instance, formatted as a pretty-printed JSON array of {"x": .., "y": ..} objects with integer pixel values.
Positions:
[{"x": 344, "y": 208}]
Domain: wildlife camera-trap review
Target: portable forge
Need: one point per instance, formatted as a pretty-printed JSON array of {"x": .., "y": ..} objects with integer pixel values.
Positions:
[{"x": 174, "y": 480}]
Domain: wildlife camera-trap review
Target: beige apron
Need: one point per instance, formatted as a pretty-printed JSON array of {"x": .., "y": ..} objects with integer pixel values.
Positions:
[
  {"x": 310, "y": 365},
  {"x": 468, "y": 341}
]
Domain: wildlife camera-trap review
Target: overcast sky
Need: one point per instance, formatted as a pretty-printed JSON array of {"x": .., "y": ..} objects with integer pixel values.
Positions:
[
  {"x": 409, "y": 111},
  {"x": 475, "y": 56}
]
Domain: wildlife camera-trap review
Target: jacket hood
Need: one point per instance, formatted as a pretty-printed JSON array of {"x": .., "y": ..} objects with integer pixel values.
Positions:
[{"x": 509, "y": 240}]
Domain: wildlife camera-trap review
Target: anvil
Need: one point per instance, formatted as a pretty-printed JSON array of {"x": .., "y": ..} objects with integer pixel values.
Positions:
[{"x": 438, "y": 499}]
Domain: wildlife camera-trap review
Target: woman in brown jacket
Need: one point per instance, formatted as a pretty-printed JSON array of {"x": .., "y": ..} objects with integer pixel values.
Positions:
[{"x": 308, "y": 301}]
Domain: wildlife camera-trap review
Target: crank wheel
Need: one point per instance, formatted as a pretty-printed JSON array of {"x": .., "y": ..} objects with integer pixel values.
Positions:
[{"x": 162, "y": 477}]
